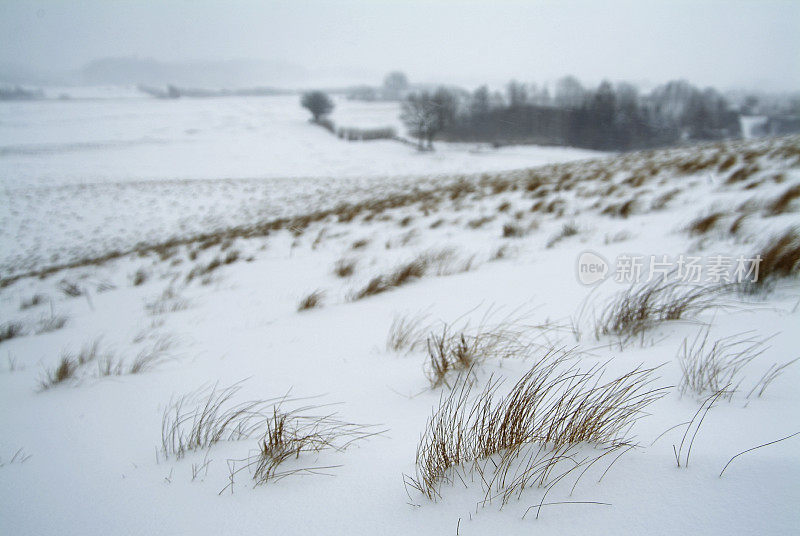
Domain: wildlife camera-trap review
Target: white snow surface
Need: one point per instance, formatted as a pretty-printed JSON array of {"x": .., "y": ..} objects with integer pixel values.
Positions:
[
  {"x": 110, "y": 168},
  {"x": 88, "y": 450}
]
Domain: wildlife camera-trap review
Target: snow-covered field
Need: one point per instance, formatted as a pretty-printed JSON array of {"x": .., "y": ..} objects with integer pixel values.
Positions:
[
  {"x": 108, "y": 169},
  {"x": 489, "y": 254}
]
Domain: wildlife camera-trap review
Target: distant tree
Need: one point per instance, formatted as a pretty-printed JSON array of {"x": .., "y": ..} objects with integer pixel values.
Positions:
[
  {"x": 318, "y": 103},
  {"x": 426, "y": 114},
  {"x": 569, "y": 93},
  {"x": 480, "y": 104},
  {"x": 517, "y": 94},
  {"x": 395, "y": 84}
]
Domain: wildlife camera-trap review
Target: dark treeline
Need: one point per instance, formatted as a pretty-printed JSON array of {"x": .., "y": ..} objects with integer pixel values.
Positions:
[{"x": 605, "y": 118}]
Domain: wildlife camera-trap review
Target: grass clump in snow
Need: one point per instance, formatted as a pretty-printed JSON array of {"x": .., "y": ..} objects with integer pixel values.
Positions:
[
  {"x": 782, "y": 204},
  {"x": 312, "y": 301},
  {"x": 10, "y": 330},
  {"x": 704, "y": 224},
  {"x": 709, "y": 367},
  {"x": 520, "y": 440},
  {"x": 633, "y": 311},
  {"x": 68, "y": 365},
  {"x": 779, "y": 258},
  {"x": 344, "y": 268},
  {"x": 51, "y": 323},
  {"x": 205, "y": 417},
  {"x": 407, "y": 333},
  {"x": 33, "y": 301}
]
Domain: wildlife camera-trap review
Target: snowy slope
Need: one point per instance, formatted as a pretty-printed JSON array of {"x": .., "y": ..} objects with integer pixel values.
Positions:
[
  {"x": 91, "y": 444},
  {"x": 83, "y": 176}
]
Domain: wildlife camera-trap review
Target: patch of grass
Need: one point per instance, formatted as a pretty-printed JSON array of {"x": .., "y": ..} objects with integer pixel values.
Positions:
[
  {"x": 360, "y": 244},
  {"x": 456, "y": 351},
  {"x": 345, "y": 267},
  {"x": 779, "y": 258},
  {"x": 567, "y": 230},
  {"x": 51, "y": 323},
  {"x": 782, "y": 203},
  {"x": 709, "y": 367},
  {"x": 231, "y": 257},
  {"x": 477, "y": 223},
  {"x": 168, "y": 302},
  {"x": 10, "y": 330},
  {"x": 290, "y": 434},
  {"x": 65, "y": 370},
  {"x": 401, "y": 275},
  {"x": 407, "y": 333},
  {"x": 140, "y": 277},
  {"x": 312, "y": 301},
  {"x": 633, "y": 311},
  {"x": 660, "y": 202},
  {"x": 704, "y": 224},
  {"x": 207, "y": 416},
  {"x": 33, "y": 301},
  {"x": 73, "y": 290},
  {"x": 514, "y": 230},
  {"x": 743, "y": 173},
  {"x": 518, "y": 440},
  {"x": 151, "y": 356}
]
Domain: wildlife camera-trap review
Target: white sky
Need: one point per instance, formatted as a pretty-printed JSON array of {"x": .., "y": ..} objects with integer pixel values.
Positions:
[{"x": 733, "y": 43}]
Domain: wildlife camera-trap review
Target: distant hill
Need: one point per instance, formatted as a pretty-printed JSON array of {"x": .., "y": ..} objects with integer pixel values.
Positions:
[{"x": 236, "y": 73}]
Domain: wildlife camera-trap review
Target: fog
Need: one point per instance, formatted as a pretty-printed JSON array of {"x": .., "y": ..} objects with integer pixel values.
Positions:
[{"x": 731, "y": 44}]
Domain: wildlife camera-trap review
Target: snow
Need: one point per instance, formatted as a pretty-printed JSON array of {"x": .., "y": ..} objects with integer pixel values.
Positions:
[
  {"x": 95, "y": 465},
  {"x": 71, "y": 170}
]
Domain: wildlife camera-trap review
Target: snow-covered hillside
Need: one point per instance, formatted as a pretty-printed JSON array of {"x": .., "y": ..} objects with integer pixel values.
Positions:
[
  {"x": 84, "y": 176},
  {"x": 276, "y": 373}
]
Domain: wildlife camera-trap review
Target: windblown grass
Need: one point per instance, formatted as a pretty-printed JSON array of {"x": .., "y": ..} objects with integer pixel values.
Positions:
[
  {"x": 633, "y": 311},
  {"x": 285, "y": 429},
  {"x": 10, "y": 330},
  {"x": 711, "y": 367},
  {"x": 520, "y": 440},
  {"x": 779, "y": 258},
  {"x": 312, "y": 301}
]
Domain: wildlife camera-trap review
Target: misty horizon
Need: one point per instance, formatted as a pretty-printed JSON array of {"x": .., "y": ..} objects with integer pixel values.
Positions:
[{"x": 739, "y": 45}]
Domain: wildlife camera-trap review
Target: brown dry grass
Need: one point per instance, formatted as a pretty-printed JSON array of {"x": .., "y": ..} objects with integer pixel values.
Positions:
[{"x": 519, "y": 440}]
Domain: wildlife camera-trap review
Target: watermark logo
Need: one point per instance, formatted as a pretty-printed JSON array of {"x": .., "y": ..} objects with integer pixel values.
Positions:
[{"x": 592, "y": 268}]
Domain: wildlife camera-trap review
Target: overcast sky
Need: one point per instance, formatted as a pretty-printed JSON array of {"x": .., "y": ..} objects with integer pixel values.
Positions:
[{"x": 750, "y": 44}]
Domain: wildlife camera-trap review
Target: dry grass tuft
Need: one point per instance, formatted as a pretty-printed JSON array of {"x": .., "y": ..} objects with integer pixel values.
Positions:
[
  {"x": 292, "y": 433},
  {"x": 207, "y": 416},
  {"x": 704, "y": 224},
  {"x": 660, "y": 202},
  {"x": 567, "y": 230},
  {"x": 780, "y": 258},
  {"x": 407, "y": 333},
  {"x": 168, "y": 302},
  {"x": 73, "y": 290},
  {"x": 514, "y": 230},
  {"x": 68, "y": 365},
  {"x": 520, "y": 440},
  {"x": 345, "y": 267},
  {"x": 633, "y": 311},
  {"x": 708, "y": 367},
  {"x": 456, "y": 351},
  {"x": 51, "y": 323},
  {"x": 782, "y": 203},
  {"x": 10, "y": 330},
  {"x": 33, "y": 301},
  {"x": 312, "y": 301},
  {"x": 359, "y": 244},
  {"x": 140, "y": 277}
]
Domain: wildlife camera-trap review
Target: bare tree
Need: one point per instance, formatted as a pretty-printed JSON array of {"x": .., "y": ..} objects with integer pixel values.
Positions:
[{"x": 426, "y": 114}]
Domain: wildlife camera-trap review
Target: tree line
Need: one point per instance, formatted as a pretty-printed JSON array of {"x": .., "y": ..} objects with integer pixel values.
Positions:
[{"x": 609, "y": 117}]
